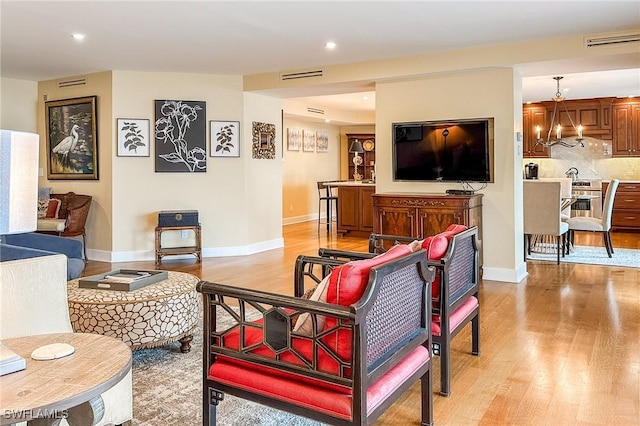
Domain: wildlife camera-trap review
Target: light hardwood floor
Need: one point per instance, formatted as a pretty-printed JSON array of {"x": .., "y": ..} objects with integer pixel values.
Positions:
[{"x": 560, "y": 348}]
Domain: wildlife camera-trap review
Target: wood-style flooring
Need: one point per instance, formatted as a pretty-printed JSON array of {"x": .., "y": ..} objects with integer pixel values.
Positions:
[{"x": 560, "y": 348}]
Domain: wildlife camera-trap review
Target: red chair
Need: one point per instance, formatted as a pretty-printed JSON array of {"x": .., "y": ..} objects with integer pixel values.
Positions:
[{"x": 366, "y": 345}]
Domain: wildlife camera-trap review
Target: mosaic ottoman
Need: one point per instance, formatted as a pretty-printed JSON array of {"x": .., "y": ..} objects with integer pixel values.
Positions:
[{"x": 160, "y": 313}]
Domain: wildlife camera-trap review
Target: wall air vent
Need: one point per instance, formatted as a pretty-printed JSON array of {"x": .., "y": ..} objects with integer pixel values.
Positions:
[
  {"x": 70, "y": 83},
  {"x": 301, "y": 74},
  {"x": 612, "y": 40},
  {"x": 315, "y": 110}
]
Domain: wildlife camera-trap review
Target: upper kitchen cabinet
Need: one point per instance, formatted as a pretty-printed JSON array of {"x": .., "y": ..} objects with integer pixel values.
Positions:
[
  {"x": 626, "y": 129},
  {"x": 595, "y": 116},
  {"x": 533, "y": 116}
]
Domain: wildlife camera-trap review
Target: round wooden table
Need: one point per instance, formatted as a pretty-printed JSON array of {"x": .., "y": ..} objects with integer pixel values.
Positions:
[
  {"x": 49, "y": 388},
  {"x": 160, "y": 313}
]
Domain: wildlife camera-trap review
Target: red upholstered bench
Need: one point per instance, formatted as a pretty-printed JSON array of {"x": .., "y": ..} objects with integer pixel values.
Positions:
[
  {"x": 454, "y": 254},
  {"x": 344, "y": 361}
]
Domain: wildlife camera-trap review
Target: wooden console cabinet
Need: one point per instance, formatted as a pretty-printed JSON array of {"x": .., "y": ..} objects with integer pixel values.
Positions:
[
  {"x": 626, "y": 206},
  {"x": 422, "y": 215},
  {"x": 355, "y": 209}
]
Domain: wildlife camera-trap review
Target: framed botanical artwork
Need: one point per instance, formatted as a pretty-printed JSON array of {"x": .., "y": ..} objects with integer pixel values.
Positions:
[
  {"x": 72, "y": 138},
  {"x": 133, "y": 137},
  {"x": 309, "y": 140},
  {"x": 264, "y": 140},
  {"x": 225, "y": 138},
  {"x": 322, "y": 141},
  {"x": 181, "y": 131},
  {"x": 294, "y": 139}
]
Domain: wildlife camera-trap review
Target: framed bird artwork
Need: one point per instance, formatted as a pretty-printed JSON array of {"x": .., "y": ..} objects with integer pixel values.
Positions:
[{"x": 72, "y": 138}]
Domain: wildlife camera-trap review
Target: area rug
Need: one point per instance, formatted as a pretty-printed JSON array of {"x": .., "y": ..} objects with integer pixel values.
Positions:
[
  {"x": 595, "y": 256},
  {"x": 167, "y": 390}
]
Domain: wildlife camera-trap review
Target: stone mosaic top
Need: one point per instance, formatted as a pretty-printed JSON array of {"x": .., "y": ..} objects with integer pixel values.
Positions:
[{"x": 176, "y": 283}]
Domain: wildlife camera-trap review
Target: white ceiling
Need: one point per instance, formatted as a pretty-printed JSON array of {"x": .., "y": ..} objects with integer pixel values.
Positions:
[{"x": 243, "y": 37}]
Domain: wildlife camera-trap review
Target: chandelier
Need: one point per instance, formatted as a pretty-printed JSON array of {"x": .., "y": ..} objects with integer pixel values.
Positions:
[{"x": 559, "y": 99}]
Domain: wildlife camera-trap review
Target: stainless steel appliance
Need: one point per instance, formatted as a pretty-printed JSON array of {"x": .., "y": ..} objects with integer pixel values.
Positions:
[
  {"x": 587, "y": 207},
  {"x": 531, "y": 171}
]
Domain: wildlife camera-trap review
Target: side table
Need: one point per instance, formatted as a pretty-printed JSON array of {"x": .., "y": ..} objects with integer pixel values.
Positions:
[
  {"x": 57, "y": 386},
  {"x": 172, "y": 251}
]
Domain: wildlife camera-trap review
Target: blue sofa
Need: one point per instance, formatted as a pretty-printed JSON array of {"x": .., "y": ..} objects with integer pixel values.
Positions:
[{"x": 21, "y": 246}]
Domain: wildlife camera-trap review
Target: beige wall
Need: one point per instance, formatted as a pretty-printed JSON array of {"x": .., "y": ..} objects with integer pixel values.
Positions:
[
  {"x": 18, "y": 105},
  {"x": 455, "y": 96},
  {"x": 99, "y": 222},
  {"x": 302, "y": 170}
]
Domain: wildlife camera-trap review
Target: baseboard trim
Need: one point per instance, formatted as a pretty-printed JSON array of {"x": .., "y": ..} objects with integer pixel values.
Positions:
[{"x": 505, "y": 275}]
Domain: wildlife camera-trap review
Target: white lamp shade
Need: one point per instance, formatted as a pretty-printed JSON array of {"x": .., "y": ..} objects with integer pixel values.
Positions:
[{"x": 18, "y": 181}]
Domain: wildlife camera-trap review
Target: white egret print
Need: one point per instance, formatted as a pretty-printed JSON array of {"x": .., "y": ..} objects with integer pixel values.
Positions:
[
  {"x": 180, "y": 136},
  {"x": 72, "y": 138}
]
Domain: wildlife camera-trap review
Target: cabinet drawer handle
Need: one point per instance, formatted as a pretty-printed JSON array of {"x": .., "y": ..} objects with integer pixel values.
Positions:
[{"x": 629, "y": 201}]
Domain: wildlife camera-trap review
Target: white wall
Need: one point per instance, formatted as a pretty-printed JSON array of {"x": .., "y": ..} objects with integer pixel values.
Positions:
[
  {"x": 18, "y": 105},
  {"x": 455, "y": 96}
]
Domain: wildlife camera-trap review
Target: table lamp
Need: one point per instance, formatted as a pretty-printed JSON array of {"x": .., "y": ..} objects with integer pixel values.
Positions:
[
  {"x": 356, "y": 148},
  {"x": 18, "y": 181}
]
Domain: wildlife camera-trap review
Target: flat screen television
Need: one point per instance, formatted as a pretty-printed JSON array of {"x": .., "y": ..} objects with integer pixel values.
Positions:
[{"x": 445, "y": 151}]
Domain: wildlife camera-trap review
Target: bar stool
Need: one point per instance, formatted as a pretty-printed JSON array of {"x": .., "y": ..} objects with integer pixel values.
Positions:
[{"x": 325, "y": 194}]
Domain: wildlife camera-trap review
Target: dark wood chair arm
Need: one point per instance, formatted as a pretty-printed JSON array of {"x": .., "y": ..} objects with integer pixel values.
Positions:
[
  {"x": 380, "y": 243},
  {"x": 344, "y": 255}
]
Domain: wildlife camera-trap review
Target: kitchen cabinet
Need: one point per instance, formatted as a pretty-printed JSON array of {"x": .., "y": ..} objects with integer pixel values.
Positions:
[
  {"x": 355, "y": 209},
  {"x": 533, "y": 116},
  {"x": 367, "y": 168},
  {"x": 595, "y": 116},
  {"x": 626, "y": 129},
  {"x": 626, "y": 206},
  {"x": 422, "y": 215}
]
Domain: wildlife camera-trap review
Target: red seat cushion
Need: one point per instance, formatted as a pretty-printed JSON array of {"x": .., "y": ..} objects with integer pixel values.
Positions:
[
  {"x": 456, "y": 318},
  {"x": 312, "y": 394}
]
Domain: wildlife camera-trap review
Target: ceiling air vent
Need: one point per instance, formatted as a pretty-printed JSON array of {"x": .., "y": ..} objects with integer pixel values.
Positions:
[
  {"x": 301, "y": 74},
  {"x": 611, "y": 40},
  {"x": 70, "y": 83},
  {"x": 315, "y": 110}
]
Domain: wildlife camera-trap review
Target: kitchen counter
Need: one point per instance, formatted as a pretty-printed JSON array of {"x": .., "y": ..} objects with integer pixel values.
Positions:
[
  {"x": 355, "y": 207},
  {"x": 352, "y": 183}
]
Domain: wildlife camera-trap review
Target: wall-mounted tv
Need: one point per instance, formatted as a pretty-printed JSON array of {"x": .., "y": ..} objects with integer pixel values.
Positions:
[{"x": 446, "y": 151}]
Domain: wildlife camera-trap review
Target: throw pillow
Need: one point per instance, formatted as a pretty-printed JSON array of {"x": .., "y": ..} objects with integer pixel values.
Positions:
[
  {"x": 43, "y": 205},
  {"x": 304, "y": 324},
  {"x": 53, "y": 209}
]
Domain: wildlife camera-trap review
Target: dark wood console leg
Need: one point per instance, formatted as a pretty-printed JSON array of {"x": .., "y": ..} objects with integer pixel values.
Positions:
[{"x": 185, "y": 343}]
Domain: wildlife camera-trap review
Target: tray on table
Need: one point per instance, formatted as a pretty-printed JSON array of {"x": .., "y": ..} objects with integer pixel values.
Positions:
[{"x": 102, "y": 281}]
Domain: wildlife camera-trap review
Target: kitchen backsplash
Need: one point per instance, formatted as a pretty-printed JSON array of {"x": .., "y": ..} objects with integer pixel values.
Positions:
[{"x": 594, "y": 161}]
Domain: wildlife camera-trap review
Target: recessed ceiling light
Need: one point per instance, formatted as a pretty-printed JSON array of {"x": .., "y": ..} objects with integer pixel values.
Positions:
[
  {"x": 78, "y": 36},
  {"x": 365, "y": 98},
  {"x": 326, "y": 120},
  {"x": 330, "y": 45}
]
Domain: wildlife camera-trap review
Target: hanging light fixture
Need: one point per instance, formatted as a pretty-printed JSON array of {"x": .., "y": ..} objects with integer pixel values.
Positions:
[{"x": 557, "y": 128}]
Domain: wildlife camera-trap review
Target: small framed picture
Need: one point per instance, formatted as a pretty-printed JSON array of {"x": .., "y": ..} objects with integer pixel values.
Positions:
[
  {"x": 294, "y": 139},
  {"x": 322, "y": 141},
  {"x": 225, "y": 138},
  {"x": 309, "y": 140},
  {"x": 133, "y": 137}
]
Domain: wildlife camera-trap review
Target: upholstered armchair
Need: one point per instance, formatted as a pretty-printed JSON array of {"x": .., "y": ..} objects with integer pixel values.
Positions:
[
  {"x": 69, "y": 217},
  {"x": 353, "y": 351},
  {"x": 455, "y": 290}
]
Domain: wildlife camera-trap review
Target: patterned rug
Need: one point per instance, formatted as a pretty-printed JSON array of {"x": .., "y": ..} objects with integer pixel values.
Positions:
[
  {"x": 593, "y": 255},
  {"x": 167, "y": 390}
]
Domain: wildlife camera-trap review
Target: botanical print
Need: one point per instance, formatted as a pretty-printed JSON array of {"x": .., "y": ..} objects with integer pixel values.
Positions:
[
  {"x": 72, "y": 138},
  {"x": 264, "y": 140},
  {"x": 180, "y": 136},
  {"x": 309, "y": 138},
  {"x": 133, "y": 137},
  {"x": 294, "y": 139},
  {"x": 322, "y": 142},
  {"x": 225, "y": 138}
]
